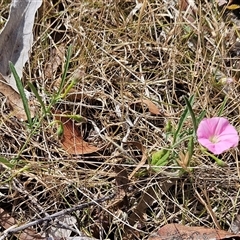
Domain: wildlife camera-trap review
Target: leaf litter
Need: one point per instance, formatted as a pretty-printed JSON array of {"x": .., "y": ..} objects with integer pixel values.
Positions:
[
  {"x": 125, "y": 51},
  {"x": 71, "y": 138}
]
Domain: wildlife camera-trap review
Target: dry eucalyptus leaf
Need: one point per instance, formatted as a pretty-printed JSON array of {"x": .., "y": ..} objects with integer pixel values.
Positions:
[
  {"x": 72, "y": 141},
  {"x": 178, "y": 231},
  {"x": 16, "y": 38},
  {"x": 14, "y": 100}
]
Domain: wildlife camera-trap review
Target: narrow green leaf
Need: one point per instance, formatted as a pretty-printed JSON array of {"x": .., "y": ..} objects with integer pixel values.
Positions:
[
  {"x": 5, "y": 162},
  {"x": 77, "y": 118},
  {"x": 156, "y": 156},
  {"x": 60, "y": 130},
  {"x": 223, "y": 106},
  {"x": 160, "y": 160},
  {"x": 68, "y": 88},
  {"x": 181, "y": 120},
  {"x": 22, "y": 93},
  {"x": 201, "y": 116},
  {"x": 189, "y": 106},
  {"x": 168, "y": 127},
  {"x": 63, "y": 79},
  {"x": 190, "y": 148}
]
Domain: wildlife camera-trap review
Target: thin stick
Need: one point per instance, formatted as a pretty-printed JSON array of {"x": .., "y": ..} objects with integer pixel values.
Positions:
[{"x": 55, "y": 215}]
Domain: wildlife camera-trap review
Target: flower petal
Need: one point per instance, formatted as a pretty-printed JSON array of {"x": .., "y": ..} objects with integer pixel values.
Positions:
[
  {"x": 204, "y": 129},
  {"x": 221, "y": 124},
  {"x": 220, "y": 128}
]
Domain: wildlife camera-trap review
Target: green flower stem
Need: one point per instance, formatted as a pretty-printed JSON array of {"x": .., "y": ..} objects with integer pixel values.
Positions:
[{"x": 218, "y": 161}]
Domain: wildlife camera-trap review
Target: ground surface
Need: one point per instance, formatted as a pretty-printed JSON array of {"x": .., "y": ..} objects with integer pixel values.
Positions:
[{"x": 133, "y": 65}]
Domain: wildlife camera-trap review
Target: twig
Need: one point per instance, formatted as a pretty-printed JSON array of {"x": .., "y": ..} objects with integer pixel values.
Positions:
[
  {"x": 55, "y": 215},
  {"x": 35, "y": 205}
]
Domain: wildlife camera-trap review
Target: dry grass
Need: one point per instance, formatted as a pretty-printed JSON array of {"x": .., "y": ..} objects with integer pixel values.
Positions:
[{"x": 155, "y": 54}]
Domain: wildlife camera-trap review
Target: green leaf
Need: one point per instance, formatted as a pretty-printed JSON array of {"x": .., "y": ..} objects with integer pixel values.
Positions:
[
  {"x": 156, "y": 156},
  {"x": 190, "y": 148},
  {"x": 160, "y": 158},
  {"x": 60, "y": 130},
  {"x": 5, "y": 162},
  {"x": 22, "y": 93},
  {"x": 201, "y": 116},
  {"x": 168, "y": 127},
  {"x": 63, "y": 79},
  {"x": 223, "y": 106},
  {"x": 189, "y": 106},
  {"x": 182, "y": 120},
  {"x": 69, "y": 87},
  {"x": 77, "y": 118}
]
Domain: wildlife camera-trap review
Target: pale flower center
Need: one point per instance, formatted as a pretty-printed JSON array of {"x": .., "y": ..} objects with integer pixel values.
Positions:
[{"x": 213, "y": 139}]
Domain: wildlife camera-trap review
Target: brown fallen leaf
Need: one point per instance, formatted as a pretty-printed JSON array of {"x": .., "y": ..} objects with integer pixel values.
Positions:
[
  {"x": 72, "y": 141},
  {"x": 151, "y": 106},
  {"x": 15, "y": 101},
  {"x": 178, "y": 231},
  {"x": 6, "y": 221}
]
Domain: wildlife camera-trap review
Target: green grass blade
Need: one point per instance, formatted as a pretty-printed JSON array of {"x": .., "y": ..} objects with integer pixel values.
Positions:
[
  {"x": 69, "y": 87},
  {"x": 22, "y": 93},
  {"x": 69, "y": 53},
  {"x": 190, "y": 148},
  {"x": 182, "y": 119},
  {"x": 5, "y": 162},
  {"x": 201, "y": 116},
  {"x": 189, "y": 106},
  {"x": 222, "y": 106}
]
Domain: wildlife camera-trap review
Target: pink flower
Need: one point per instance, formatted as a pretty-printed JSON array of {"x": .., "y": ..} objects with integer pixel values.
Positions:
[{"x": 217, "y": 134}]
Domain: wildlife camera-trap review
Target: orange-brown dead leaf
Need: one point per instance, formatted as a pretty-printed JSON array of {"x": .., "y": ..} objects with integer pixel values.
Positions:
[
  {"x": 151, "y": 106},
  {"x": 72, "y": 141},
  {"x": 6, "y": 221},
  {"x": 14, "y": 100},
  {"x": 178, "y": 231}
]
